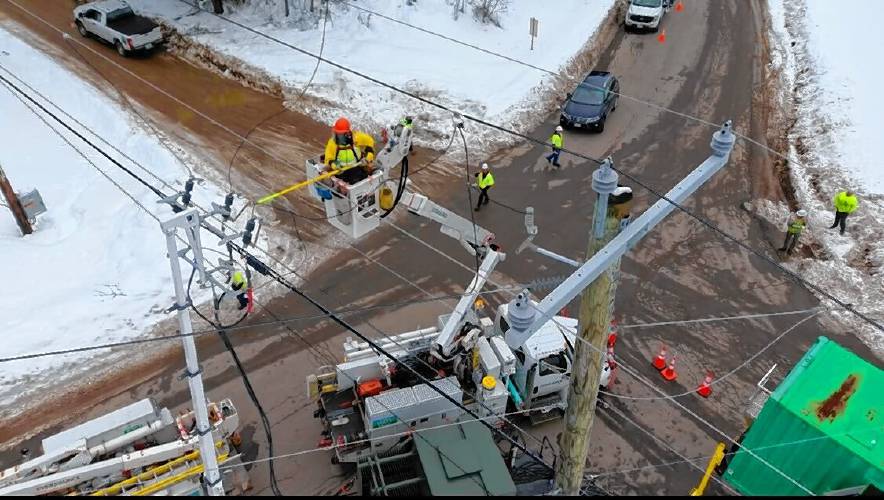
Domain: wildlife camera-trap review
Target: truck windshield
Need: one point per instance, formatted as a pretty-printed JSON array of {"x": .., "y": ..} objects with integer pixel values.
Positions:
[
  {"x": 120, "y": 13},
  {"x": 647, "y": 3},
  {"x": 587, "y": 95}
]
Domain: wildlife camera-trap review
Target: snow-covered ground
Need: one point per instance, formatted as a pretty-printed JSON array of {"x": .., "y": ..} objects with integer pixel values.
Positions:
[
  {"x": 831, "y": 79},
  {"x": 460, "y": 77},
  {"x": 95, "y": 271}
]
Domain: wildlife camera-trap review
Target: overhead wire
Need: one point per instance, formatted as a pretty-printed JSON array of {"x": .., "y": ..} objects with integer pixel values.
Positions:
[
  {"x": 284, "y": 108},
  {"x": 738, "y": 242},
  {"x": 638, "y": 377},
  {"x": 278, "y": 277},
  {"x": 795, "y": 276}
]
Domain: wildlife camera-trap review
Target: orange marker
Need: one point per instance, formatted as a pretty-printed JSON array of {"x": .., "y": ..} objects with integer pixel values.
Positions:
[
  {"x": 662, "y": 37},
  {"x": 679, "y": 7}
]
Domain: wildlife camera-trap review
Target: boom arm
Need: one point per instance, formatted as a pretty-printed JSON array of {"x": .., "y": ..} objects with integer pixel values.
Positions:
[
  {"x": 722, "y": 144},
  {"x": 469, "y": 235},
  {"x": 477, "y": 241}
]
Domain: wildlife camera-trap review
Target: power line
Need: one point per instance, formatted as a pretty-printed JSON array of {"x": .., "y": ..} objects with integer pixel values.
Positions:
[
  {"x": 741, "y": 317},
  {"x": 654, "y": 192},
  {"x": 264, "y": 269},
  {"x": 634, "y": 373}
]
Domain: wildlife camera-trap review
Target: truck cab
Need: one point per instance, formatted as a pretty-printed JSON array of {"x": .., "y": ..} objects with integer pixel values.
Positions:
[{"x": 544, "y": 361}]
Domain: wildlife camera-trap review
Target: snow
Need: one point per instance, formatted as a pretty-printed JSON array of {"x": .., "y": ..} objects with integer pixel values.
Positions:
[
  {"x": 462, "y": 78},
  {"x": 830, "y": 80},
  {"x": 95, "y": 269}
]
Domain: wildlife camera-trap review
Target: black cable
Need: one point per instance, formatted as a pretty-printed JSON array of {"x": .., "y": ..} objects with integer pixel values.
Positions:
[
  {"x": 266, "y": 270},
  {"x": 470, "y": 210}
]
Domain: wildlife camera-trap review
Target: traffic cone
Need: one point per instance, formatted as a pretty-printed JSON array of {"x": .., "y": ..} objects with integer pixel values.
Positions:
[
  {"x": 662, "y": 37},
  {"x": 669, "y": 372},
  {"x": 705, "y": 388},
  {"x": 659, "y": 362},
  {"x": 679, "y": 6}
]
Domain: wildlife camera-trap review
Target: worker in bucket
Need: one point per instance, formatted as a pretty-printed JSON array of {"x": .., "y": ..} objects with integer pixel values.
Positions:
[
  {"x": 795, "y": 227},
  {"x": 484, "y": 181},
  {"x": 556, "y": 141},
  {"x": 241, "y": 286},
  {"x": 346, "y": 148}
]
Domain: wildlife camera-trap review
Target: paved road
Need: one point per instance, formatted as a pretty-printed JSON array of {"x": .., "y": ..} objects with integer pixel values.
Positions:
[{"x": 710, "y": 66}]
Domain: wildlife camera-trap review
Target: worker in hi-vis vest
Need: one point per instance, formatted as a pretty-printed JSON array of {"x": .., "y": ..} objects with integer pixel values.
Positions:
[
  {"x": 793, "y": 232},
  {"x": 484, "y": 181},
  {"x": 556, "y": 141},
  {"x": 241, "y": 286},
  {"x": 845, "y": 204}
]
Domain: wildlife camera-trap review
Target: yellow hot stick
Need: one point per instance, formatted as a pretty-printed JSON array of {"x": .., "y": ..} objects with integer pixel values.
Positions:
[{"x": 293, "y": 187}]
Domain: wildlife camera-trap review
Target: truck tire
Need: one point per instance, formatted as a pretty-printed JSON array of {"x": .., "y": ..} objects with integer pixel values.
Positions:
[
  {"x": 82, "y": 30},
  {"x": 120, "y": 49}
]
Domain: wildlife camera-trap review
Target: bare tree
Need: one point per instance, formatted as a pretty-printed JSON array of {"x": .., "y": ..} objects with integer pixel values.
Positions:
[{"x": 488, "y": 11}]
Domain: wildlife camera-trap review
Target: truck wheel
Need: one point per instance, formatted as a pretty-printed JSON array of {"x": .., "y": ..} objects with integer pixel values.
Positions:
[
  {"x": 120, "y": 49},
  {"x": 82, "y": 30}
]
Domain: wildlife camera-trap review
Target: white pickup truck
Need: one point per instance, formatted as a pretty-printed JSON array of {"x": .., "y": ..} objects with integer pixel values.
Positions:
[{"x": 114, "y": 22}]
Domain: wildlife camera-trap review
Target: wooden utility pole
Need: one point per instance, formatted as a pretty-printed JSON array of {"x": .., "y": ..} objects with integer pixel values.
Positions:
[
  {"x": 18, "y": 211},
  {"x": 596, "y": 305}
]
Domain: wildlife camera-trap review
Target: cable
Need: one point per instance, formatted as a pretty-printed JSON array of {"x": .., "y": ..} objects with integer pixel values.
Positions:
[
  {"x": 283, "y": 110},
  {"x": 466, "y": 152},
  {"x": 726, "y": 375},
  {"x": 267, "y": 271},
  {"x": 780, "y": 267},
  {"x": 499, "y": 128},
  {"x": 711, "y": 320}
]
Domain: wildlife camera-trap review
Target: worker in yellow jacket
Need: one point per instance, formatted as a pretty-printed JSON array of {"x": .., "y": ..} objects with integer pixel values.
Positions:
[
  {"x": 845, "y": 204},
  {"x": 484, "y": 181},
  {"x": 347, "y": 147}
]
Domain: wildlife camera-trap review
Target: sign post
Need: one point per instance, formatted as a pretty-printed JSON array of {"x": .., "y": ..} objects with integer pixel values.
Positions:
[{"x": 532, "y": 30}]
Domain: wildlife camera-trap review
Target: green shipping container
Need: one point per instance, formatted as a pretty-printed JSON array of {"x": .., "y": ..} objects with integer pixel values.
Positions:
[{"x": 823, "y": 427}]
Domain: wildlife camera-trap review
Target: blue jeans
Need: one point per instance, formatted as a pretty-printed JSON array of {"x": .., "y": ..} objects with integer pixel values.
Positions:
[{"x": 554, "y": 157}]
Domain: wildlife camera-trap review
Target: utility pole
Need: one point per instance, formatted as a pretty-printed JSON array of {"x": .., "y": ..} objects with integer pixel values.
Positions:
[
  {"x": 189, "y": 221},
  {"x": 595, "y": 319},
  {"x": 594, "y": 277},
  {"x": 14, "y": 204}
]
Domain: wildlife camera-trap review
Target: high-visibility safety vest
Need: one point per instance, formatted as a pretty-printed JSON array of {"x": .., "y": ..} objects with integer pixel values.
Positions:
[
  {"x": 844, "y": 203},
  {"x": 556, "y": 141},
  {"x": 405, "y": 123},
  {"x": 346, "y": 156},
  {"x": 238, "y": 281},
  {"x": 796, "y": 226},
  {"x": 485, "y": 181}
]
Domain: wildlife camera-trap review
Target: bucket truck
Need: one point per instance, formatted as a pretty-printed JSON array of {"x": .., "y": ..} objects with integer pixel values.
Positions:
[
  {"x": 139, "y": 450},
  {"x": 366, "y": 405}
]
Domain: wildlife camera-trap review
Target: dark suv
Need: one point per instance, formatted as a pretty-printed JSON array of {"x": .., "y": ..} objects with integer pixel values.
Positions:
[{"x": 591, "y": 102}]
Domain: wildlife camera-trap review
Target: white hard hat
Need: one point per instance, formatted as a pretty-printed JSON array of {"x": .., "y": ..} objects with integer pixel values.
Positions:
[
  {"x": 801, "y": 213},
  {"x": 559, "y": 128},
  {"x": 484, "y": 166}
]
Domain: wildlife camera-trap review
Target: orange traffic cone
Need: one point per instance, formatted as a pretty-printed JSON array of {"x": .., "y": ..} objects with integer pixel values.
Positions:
[
  {"x": 679, "y": 7},
  {"x": 662, "y": 37},
  {"x": 659, "y": 362},
  {"x": 669, "y": 372},
  {"x": 705, "y": 388}
]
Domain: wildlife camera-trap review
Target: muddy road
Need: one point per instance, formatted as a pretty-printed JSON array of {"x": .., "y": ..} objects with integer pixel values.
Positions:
[{"x": 711, "y": 65}]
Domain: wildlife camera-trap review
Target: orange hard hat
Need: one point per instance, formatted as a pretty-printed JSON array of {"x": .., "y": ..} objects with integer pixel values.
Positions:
[{"x": 342, "y": 126}]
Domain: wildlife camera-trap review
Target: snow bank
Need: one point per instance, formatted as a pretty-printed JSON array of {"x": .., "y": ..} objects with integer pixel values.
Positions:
[
  {"x": 462, "y": 78},
  {"x": 95, "y": 270},
  {"x": 831, "y": 84}
]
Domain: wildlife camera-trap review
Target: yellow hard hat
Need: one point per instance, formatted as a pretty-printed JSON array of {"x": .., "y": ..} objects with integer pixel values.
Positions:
[{"x": 489, "y": 382}]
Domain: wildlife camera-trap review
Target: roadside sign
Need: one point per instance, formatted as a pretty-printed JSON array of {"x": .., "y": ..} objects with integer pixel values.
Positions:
[{"x": 533, "y": 29}]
